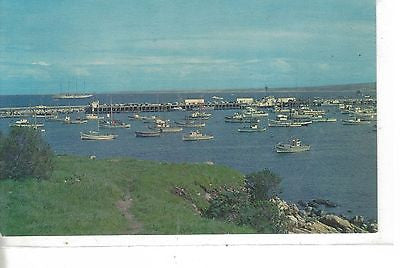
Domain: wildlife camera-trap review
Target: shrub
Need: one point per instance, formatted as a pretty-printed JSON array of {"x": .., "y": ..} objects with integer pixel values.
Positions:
[
  {"x": 262, "y": 185},
  {"x": 24, "y": 153},
  {"x": 238, "y": 207}
]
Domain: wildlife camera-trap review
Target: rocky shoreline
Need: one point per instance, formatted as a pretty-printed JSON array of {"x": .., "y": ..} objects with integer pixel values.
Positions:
[{"x": 309, "y": 219}]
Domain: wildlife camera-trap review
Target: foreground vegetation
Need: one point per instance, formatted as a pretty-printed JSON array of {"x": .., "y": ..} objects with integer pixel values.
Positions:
[
  {"x": 115, "y": 196},
  {"x": 43, "y": 194},
  {"x": 23, "y": 153}
]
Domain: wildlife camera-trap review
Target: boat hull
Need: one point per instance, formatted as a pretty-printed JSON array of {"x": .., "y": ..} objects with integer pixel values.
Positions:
[
  {"x": 203, "y": 138},
  {"x": 85, "y": 136},
  {"x": 292, "y": 149},
  {"x": 148, "y": 133},
  {"x": 249, "y": 130}
]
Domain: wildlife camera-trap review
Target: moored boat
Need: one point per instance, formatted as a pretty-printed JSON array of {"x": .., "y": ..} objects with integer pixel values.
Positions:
[
  {"x": 240, "y": 118},
  {"x": 93, "y": 117},
  {"x": 252, "y": 128},
  {"x": 275, "y": 123},
  {"x": 354, "y": 121},
  {"x": 323, "y": 119},
  {"x": 148, "y": 133},
  {"x": 190, "y": 124},
  {"x": 198, "y": 116},
  {"x": 197, "y": 136},
  {"x": 94, "y": 135},
  {"x": 68, "y": 120},
  {"x": 114, "y": 124},
  {"x": 251, "y": 112},
  {"x": 294, "y": 146},
  {"x": 165, "y": 127},
  {"x": 26, "y": 123}
]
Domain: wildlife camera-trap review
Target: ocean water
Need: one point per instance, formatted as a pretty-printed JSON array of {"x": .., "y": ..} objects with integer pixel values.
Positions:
[{"x": 341, "y": 165}]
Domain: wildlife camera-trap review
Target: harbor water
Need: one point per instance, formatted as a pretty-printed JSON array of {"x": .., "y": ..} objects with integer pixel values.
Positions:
[{"x": 341, "y": 165}]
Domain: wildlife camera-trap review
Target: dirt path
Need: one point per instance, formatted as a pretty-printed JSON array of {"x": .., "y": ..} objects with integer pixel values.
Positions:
[{"x": 124, "y": 206}]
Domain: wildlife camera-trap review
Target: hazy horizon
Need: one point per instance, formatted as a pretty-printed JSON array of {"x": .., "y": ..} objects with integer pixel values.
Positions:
[{"x": 338, "y": 87}]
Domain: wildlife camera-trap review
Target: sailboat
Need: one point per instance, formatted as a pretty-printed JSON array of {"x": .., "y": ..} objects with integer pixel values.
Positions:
[
  {"x": 96, "y": 135},
  {"x": 113, "y": 123},
  {"x": 70, "y": 96}
]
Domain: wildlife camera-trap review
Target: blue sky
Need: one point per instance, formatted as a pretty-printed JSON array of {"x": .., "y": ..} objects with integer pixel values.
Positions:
[{"x": 127, "y": 45}]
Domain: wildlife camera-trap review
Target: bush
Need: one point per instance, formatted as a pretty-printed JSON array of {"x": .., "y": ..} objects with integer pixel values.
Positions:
[
  {"x": 262, "y": 185},
  {"x": 238, "y": 207},
  {"x": 23, "y": 153}
]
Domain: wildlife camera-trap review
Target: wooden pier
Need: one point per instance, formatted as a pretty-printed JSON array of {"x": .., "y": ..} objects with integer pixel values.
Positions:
[
  {"x": 154, "y": 107},
  {"x": 95, "y": 107}
]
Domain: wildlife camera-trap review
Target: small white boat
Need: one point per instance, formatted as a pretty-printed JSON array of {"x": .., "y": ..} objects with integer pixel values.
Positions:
[
  {"x": 198, "y": 115},
  {"x": 114, "y": 124},
  {"x": 294, "y": 146},
  {"x": 323, "y": 119},
  {"x": 68, "y": 120},
  {"x": 148, "y": 133},
  {"x": 197, "y": 136},
  {"x": 94, "y": 135},
  {"x": 274, "y": 123},
  {"x": 190, "y": 124},
  {"x": 354, "y": 121},
  {"x": 26, "y": 123},
  {"x": 165, "y": 127},
  {"x": 251, "y": 112},
  {"x": 136, "y": 117},
  {"x": 252, "y": 128},
  {"x": 94, "y": 117}
]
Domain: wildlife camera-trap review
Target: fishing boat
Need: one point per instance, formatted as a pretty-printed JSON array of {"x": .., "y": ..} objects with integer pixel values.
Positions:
[
  {"x": 283, "y": 121},
  {"x": 148, "y": 133},
  {"x": 354, "y": 121},
  {"x": 252, "y": 128},
  {"x": 217, "y": 98},
  {"x": 165, "y": 127},
  {"x": 78, "y": 120},
  {"x": 251, "y": 112},
  {"x": 177, "y": 108},
  {"x": 240, "y": 118},
  {"x": 294, "y": 146},
  {"x": 26, "y": 123},
  {"x": 190, "y": 124},
  {"x": 93, "y": 117},
  {"x": 197, "y": 136},
  {"x": 323, "y": 119},
  {"x": 274, "y": 123},
  {"x": 198, "y": 116},
  {"x": 150, "y": 119},
  {"x": 136, "y": 117},
  {"x": 114, "y": 124},
  {"x": 95, "y": 135}
]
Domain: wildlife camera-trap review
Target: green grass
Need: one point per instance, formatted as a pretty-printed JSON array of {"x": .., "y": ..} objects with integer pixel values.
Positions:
[{"x": 81, "y": 197}]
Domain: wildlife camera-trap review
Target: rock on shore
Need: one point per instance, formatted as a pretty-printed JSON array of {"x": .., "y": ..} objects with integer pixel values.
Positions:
[{"x": 311, "y": 220}]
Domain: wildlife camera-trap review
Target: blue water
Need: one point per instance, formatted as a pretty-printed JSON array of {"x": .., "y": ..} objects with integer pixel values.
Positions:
[{"x": 340, "y": 167}]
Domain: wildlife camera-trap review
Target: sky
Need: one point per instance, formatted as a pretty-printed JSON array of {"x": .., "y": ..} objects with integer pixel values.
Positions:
[{"x": 53, "y": 46}]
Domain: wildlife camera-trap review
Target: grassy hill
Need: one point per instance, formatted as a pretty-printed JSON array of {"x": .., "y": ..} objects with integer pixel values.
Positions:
[{"x": 115, "y": 196}]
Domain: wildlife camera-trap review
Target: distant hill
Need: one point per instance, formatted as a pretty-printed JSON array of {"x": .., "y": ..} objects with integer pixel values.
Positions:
[{"x": 348, "y": 87}]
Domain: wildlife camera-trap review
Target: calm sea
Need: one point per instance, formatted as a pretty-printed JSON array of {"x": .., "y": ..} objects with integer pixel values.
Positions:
[{"x": 341, "y": 166}]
